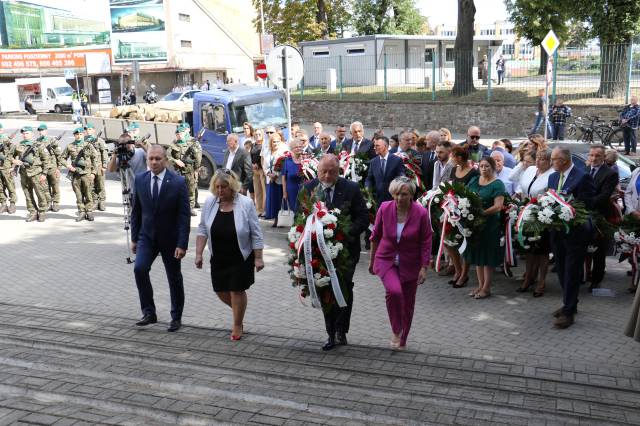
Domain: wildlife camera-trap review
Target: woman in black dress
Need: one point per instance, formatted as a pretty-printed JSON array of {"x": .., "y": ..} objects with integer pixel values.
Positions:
[{"x": 229, "y": 223}]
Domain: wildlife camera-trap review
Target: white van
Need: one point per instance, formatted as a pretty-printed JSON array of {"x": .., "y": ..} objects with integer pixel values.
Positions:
[{"x": 46, "y": 93}]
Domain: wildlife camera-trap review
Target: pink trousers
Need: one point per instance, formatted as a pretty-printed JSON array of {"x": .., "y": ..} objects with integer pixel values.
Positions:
[{"x": 401, "y": 299}]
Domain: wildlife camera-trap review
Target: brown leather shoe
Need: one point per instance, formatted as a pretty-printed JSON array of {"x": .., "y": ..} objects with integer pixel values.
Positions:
[
  {"x": 558, "y": 312},
  {"x": 563, "y": 321}
]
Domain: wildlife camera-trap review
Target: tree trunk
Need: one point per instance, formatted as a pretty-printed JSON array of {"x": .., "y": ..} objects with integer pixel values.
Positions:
[
  {"x": 463, "y": 49},
  {"x": 542, "y": 70},
  {"x": 321, "y": 18},
  {"x": 614, "y": 63},
  {"x": 381, "y": 14}
]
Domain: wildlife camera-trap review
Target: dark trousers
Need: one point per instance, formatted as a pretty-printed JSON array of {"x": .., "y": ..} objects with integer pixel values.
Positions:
[
  {"x": 599, "y": 258},
  {"x": 337, "y": 319},
  {"x": 558, "y": 131},
  {"x": 500, "y": 77},
  {"x": 569, "y": 256},
  {"x": 146, "y": 253},
  {"x": 629, "y": 137}
]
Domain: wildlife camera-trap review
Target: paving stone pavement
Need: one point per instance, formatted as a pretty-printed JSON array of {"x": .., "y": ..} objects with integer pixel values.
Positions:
[{"x": 80, "y": 266}]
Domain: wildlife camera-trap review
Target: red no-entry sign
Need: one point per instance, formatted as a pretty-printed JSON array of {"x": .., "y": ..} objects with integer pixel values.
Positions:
[{"x": 261, "y": 71}]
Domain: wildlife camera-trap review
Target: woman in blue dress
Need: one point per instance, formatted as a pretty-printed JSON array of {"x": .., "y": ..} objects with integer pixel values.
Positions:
[
  {"x": 292, "y": 175},
  {"x": 276, "y": 149}
]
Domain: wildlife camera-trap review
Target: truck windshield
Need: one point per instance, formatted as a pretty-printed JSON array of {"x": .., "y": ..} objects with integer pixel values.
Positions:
[
  {"x": 270, "y": 112},
  {"x": 63, "y": 91}
]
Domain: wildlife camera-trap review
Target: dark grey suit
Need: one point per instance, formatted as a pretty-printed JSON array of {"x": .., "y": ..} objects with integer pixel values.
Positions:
[{"x": 241, "y": 166}]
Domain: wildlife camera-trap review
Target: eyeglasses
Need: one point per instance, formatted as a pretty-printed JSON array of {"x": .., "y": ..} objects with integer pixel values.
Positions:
[
  {"x": 474, "y": 137},
  {"x": 223, "y": 171},
  {"x": 269, "y": 133}
]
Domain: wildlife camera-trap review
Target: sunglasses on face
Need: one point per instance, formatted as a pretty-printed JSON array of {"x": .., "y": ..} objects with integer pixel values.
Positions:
[
  {"x": 269, "y": 133},
  {"x": 474, "y": 137},
  {"x": 223, "y": 172}
]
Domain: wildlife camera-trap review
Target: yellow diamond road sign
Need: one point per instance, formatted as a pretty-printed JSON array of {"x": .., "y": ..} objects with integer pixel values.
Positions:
[{"x": 550, "y": 42}]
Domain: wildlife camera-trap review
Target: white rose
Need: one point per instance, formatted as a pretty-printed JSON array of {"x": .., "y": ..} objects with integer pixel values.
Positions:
[
  {"x": 436, "y": 200},
  {"x": 369, "y": 205},
  {"x": 323, "y": 282},
  {"x": 338, "y": 246},
  {"x": 470, "y": 216},
  {"x": 328, "y": 233}
]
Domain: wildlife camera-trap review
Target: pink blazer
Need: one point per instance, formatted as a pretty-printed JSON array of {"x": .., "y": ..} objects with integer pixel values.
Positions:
[{"x": 414, "y": 247}]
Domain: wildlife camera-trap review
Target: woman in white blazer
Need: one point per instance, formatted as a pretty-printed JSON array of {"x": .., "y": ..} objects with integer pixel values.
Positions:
[
  {"x": 229, "y": 226},
  {"x": 631, "y": 197}
]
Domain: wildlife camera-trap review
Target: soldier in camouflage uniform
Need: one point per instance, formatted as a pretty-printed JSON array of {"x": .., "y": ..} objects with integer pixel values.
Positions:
[
  {"x": 182, "y": 156},
  {"x": 83, "y": 166},
  {"x": 198, "y": 148},
  {"x": 32, "y": 159},
  {"x": 7, "y": 184},
  {"x": 99, "y": 193},
  {"x": 51, "y": 187}
]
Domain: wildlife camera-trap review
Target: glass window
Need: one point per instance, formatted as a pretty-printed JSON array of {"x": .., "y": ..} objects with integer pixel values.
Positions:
[
  {"x": 508, "y": 49},
  {"x": 321, "y": 53},
  {"x": 448, "y": 54},
  {"x": 213, "y": 117},
  {"x": 270, "y": 112},
  {"x": 356, "y": 51},
  {"x": 50, "y": 94},
  {"x": 428, "y": 55}
]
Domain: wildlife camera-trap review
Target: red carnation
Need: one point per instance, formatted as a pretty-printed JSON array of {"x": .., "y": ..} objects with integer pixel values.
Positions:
[
  {"x": 331, "y": 226},
  {"x": 300, "y": 228},
  {"x": 340, "y": 236},
  {"x": 315, "y": 263},
  {"x": 534, "y": 200},
  {"x": 292, "y": 245},
  {"x": 321, "y": 214}
]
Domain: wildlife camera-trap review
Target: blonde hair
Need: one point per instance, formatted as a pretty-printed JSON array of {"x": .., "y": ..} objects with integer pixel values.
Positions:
[
  {"x": 225, "y": 176},
  {"x": 447, "y": 132},
  {"x": 398, "y": 183}
]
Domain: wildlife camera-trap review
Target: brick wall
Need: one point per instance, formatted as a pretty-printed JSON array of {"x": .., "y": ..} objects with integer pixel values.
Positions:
[{"x": 505, "y": 120}]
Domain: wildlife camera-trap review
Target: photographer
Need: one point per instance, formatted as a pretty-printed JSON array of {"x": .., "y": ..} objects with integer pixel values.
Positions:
[{"x": 127, "y": 155}]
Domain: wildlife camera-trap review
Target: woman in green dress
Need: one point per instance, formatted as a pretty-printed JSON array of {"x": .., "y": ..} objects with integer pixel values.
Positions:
[{"x": 486, "y": 253}]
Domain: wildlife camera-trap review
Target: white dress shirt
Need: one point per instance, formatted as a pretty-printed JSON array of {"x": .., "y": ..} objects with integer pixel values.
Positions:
[
  {"x": 530, "y": 185},
  {"x": 232, "y": 155},
  {"x": 160, "y": 178},
  {"x": 504, "y": 177}
]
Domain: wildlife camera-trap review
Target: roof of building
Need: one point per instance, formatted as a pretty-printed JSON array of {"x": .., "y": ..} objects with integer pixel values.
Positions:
[{"x": 393, "y": 37}]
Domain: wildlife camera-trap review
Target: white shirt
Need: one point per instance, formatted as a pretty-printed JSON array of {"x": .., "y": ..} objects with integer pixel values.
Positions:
[
  {"x": 232, "y": 155},
  {"x": 504, "y": 177},
  {"x": 399, "y": 228},
  {"x": 354, "y": 144},
  {"x": 531, "y": 186},
  {"x": 160, "y": 178}
]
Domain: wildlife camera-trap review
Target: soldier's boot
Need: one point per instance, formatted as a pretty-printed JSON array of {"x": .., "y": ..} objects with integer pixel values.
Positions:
[
  {"x": 55, "y": 207},
  {"x": 80, "y": 217},
  {"x": 101, "y": 206},
  {"x": 12, "y": 208},
  {"x": 3, "y": 209},
  {"x": 32, "y": 217},
  {"x": 89, "y": 216},
  {"x": 41, "y": 217},
  {"x": 193, "y": 213}
]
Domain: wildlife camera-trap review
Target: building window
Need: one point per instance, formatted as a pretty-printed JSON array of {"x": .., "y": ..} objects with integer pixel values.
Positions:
[
  {"x": 448, "y": 54},
  {"x": 526, "y": 49},
  {"x": 428, "y": 55},
  {"x": 185, "y": 43},
  {"x": 507, "y": 31},
  {"x": 356, "y": 51},
  {"x": 184, "y": 17},
  {"x": 449, "y": 33},
  {"x": 321, "y": 53},
  {"x": 508, "y": 49},
  {"x": 488, "y": 32}
]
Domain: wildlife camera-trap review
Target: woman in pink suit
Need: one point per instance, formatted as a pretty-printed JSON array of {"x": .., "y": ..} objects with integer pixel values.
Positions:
[{"x": 400, "y": 251}]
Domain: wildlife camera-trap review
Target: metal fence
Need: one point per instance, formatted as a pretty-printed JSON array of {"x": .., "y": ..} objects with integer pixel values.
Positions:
[{"x": 602, "y": 74}]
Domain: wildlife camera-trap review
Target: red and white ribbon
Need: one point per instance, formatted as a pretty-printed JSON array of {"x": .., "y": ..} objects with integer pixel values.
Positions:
[
  {"x": 561, "y": 201},
  {"x": 508, "y": 245}
]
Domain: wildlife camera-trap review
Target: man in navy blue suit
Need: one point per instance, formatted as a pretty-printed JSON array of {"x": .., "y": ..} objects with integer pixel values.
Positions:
[
  {"x": 160, "y": 222},
  {"x": 384, "y": 168},
  {"x": 570, "y": 248},
  {"x": 358, "y": 144}
]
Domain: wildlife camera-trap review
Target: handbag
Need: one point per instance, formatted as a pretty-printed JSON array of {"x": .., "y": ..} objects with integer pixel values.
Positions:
[{"x": 285, "y": 216}]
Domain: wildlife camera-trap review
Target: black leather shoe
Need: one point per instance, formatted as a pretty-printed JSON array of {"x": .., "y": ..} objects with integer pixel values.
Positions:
[
  {"x": 146, "y": 320},
  {"x": 174, "y": 325},
  {"x": 329, "y": 344},
  {"x": 341, "y": 339}
]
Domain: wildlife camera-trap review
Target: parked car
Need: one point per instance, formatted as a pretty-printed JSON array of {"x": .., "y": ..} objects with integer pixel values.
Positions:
[{"x": 185, "y": 96}]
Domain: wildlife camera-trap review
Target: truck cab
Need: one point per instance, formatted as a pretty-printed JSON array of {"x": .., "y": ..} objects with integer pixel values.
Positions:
[{"x": 223, "y": 111}]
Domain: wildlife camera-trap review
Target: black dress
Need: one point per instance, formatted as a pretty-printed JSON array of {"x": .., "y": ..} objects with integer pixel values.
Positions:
[
  {"x": 466, "y": 179},
  {"x": 229, "y": 270}
]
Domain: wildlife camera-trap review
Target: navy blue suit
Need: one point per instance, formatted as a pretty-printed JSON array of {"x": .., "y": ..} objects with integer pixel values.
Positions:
[
  {"x": 570, "y": 249},
  {"x": 379, "y": 181},
  {"x": 365, "y": 147},
  {"x": 159, "y": 228}
]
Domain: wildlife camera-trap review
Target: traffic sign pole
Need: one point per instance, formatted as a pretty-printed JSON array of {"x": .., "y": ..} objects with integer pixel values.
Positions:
[
  {"x": 285, "y": 86},
  {"x": 550, "y": 44}
]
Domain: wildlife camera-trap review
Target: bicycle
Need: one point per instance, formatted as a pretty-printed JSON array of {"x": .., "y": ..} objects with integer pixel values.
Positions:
[
  {"x": 596, "y": 127},
  {"x": 613, "y": 133}
]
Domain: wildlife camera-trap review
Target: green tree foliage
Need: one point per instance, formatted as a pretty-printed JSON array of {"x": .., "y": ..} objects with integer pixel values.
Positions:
[
  {"x": 387, "y": 17},
  {"x": 532, "y": 19},
  {"x": 293, "y": 21}
]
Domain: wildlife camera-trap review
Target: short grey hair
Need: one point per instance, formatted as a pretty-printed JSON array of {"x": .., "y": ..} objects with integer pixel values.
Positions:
[
  {"x": 566, "y": 153},
  {"x": 398, "y": 183},
  {"x": 433, "y": 135},
  {"x": 546, "y": 152},
  {"x": 356, "y": 124},
  {"x": 498, "y": 154},
  {"x": 232, "y": 136}
]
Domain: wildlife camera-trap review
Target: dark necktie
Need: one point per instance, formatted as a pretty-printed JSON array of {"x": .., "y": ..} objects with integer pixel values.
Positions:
[
  {"x": 327, "y": 197},
  {"x": 154, "y": 195},
  {"x": 593, "y": 172},
  {"x": 383, "y": 165}
]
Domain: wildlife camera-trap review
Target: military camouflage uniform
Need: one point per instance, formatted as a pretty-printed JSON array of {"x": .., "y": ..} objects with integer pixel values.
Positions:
[
  {"x": 99, "y": 193},
  {"x": 85, "y": 159},
  {"x": 34, "y": 165},
  {"x": 198, "y": 149},
  {"x": 7, "y": 184},
  {"x": 51, "y": 187},
  {"x": 187, "y": 152}
]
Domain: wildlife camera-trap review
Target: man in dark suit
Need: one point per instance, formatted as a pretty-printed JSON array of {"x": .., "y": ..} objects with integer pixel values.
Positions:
[
  {"x": 404, "y": 144},
  {"x": 326, "y": 145},
  {"x": 314, "y": 140},
  {"x": 358, "y": 144},
  {"x": 477, "y": 151},
  {"x": 384, "y": 168},
  {"x": 440, "y": 168},
  {"x": 570, "y": 249},
  {"x": 160, "y": 222},
  {"x": 345, "y": 195},
  {"x": 238, "y": 161},
  {"x": 605, "y": 180}
]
